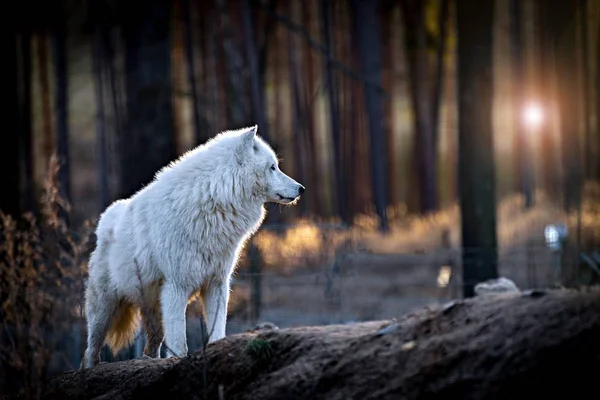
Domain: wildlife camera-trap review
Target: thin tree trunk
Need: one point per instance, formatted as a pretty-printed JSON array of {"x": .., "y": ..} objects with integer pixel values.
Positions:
[
  {"x": 200, "y": 129},
  {"x": 331, "y": 84},
  {"x": 585, "y": 88},
  {"x": 117, "y": 126},
  {"x": 522, "y": 150},
  {"x": 211, "y": 57},
  {"x": 367, "y": 24},
  {"x": 256, "y": 91},
  {"x": 234, "y": 66},
  {"x": 418, "y": 67},
  {"x": 263, "y": 51},
  {"x": 298, "y": 114},
  {"x": 475, "y": 19},
  {"x": 564, "y": 40},
  {"x": 25, "y": 130},
  {"x": 438, "y": 85},
  {"x": 388, "y": 111},
  {"x": 150, "y": 143},
  {"x": 62, "y": 107},
  {"x": 309, "y": 92},
  {"x": 48, "y": 142},
  {"x": 102, "y": 160},
  {"x": 549, "y": 157},
  {"x": 596, "y": 154},
  {"x": 10, "y": 166}
]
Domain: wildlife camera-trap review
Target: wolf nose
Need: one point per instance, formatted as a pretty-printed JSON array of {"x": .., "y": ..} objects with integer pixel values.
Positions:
[{"x": 301, "y": 189}]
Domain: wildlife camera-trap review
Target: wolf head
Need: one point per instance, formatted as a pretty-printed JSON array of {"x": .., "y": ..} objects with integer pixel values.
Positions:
[{"x": 261, "y": 167}]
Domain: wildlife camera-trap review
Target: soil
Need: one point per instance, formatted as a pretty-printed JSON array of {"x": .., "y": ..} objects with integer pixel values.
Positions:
[{"x": 507, "y": 346}]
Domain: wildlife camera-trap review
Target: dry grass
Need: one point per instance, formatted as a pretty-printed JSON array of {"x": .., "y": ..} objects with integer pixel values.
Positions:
[
  {"x": 42, "y": 265},
  {"x": 307, "y": 245}
]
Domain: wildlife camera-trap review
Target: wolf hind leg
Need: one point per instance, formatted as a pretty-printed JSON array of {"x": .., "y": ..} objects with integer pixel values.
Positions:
[
  {"x": 153, "y": 326},
  {"x": 99, "y": 307}
]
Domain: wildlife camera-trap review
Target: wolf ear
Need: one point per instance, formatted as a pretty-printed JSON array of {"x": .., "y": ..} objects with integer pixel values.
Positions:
[{"x": 249, "y": 135}]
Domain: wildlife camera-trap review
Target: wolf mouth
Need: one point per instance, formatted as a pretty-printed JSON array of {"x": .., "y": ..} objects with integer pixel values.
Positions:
[{"x": 285, "y": 198}]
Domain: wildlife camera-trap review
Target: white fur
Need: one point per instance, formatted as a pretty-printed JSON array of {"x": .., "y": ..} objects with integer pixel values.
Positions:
[{"x": 179, "y": 236}]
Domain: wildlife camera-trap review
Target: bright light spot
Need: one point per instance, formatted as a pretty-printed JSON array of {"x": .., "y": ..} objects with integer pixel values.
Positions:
[
  {"x": 533, "y": 115},
  {"x": 551, "y": 234},
  {"x": 444, "y": 276},
  {"x": 555, "y": 235}
]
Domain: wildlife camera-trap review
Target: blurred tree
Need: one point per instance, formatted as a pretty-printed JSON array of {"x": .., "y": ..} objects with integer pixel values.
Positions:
[
  {"x": 596, "y": 154},
  {"x": 521, "y": 148},
  {"x": 585, "y": 84},
  {"x": 10, "y": 202},
  {"x": 475, "y": 21},
  {"x": 333, "y": 97},
  {"x": 367, "y": 28},
  {"x": 298, "y": 112},
  {"x": 234, "y": 66},
  {"x": 41, "y": 41},
  {"x": 562, "y": 26},
  {"x": 425, "y": 91},
  {"x": 148, "y": 143},
  {"x": 550, "y": 165},
  {"x": 24, "y": 129},
  {"x": 201, "y": 131},
  {"x": 99, "y": 61},
  {"x": 61, "y": 105},
  {"x": 307, "y": 15},
  {"x": 256, "y": 89}
]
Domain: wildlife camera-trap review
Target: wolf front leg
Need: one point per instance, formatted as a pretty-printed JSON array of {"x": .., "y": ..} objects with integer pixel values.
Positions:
[
  {"x": 216, "y": 297},
  {"x": 174, "y": 300}
]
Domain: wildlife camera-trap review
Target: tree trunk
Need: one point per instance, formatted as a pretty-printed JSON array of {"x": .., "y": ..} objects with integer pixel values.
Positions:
[
  {"x": 563, "y": 29},
  {"x": 47, "y": 139},
  {"x": 522, "y": 150},
  {"x": 367, "y": 28},
  {"x": 549, "y": 152},
  {"x": 149, "y": 143},
  {"x": 596, "y": 154},
  {"x": 99, "y": 58},
  {"x": 236, "y": 87},
  {"x": 585, "y": 83},
  {"x": 298, "y": 113},
  {"x": 312, "y": 145},
  {"x": 331, "y": 83},
  {"x": 475, "y": 20},
  {"x": 24, "y": 129},
  {"x": 62, "y": 106},
  {"x": 10, "y": 167},
  {"x": 258, "y": 109},
  {"x": 418, "y": 68},
  {"x": 438, "y": 85},
  {"x": 191, "y": 68}
]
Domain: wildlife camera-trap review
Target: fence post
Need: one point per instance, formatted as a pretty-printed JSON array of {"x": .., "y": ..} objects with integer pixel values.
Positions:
[{"x": 255, "y": 259}]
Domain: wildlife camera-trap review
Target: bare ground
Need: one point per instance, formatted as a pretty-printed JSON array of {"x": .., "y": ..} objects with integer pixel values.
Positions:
[{"x": 508, "y": 346}]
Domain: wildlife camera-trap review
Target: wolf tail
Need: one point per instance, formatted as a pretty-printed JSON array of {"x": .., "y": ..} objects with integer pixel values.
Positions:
[{"x": 123, "y": 327}]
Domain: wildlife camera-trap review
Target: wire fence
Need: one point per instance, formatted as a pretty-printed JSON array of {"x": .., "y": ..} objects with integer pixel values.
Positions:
[
  {"x": 324, "y": 275},
  {"x": 351, "y": 287}
]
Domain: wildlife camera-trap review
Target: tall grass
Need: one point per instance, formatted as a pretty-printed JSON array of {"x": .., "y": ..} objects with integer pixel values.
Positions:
[{"x": 42, "y": 266}]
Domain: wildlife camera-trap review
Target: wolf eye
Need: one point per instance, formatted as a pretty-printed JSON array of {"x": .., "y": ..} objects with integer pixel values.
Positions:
[{"x": 273, "y": 167}]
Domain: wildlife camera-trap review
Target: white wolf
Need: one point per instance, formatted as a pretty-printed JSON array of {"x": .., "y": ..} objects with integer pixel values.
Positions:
[{"x": 179, "y": 236}]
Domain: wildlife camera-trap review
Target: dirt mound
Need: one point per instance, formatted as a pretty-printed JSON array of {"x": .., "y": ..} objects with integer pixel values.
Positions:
[{"x": 495, "y": 347}]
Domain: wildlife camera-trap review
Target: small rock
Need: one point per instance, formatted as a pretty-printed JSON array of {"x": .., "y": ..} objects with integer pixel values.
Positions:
[
  {"x": 495, "y": 286},
  {"x": 409, "y": 345},
  {"x": 264, "y": 326}
]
